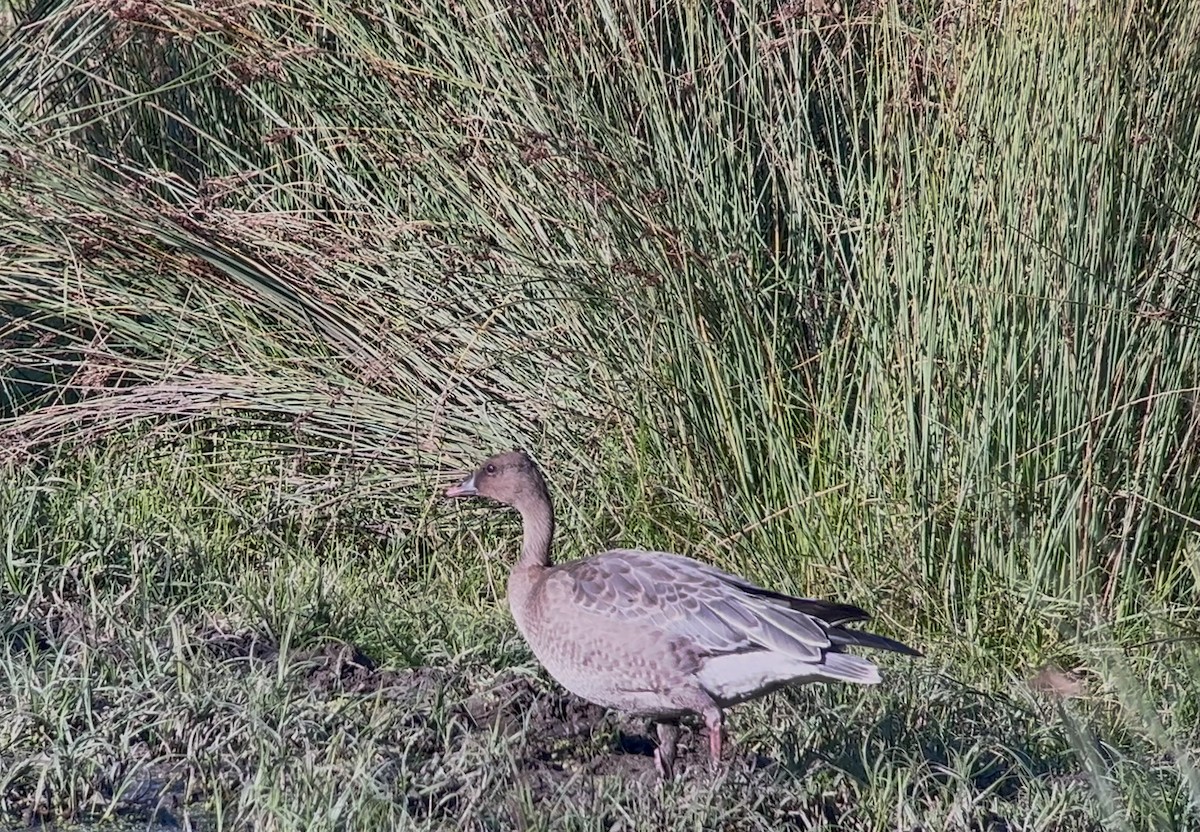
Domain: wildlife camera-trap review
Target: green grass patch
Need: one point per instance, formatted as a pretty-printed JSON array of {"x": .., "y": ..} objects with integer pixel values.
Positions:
[{"x": 891, "y": 304}]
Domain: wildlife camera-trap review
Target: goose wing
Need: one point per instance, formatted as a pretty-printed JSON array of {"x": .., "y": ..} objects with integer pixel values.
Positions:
[{"x": 716, "y": 612}]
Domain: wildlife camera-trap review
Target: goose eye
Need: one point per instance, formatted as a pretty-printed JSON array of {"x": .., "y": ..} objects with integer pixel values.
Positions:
[{"x": 491, "y": 469}]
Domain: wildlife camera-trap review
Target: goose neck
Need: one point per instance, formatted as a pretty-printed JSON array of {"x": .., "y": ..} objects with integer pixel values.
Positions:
[{"x": 537, "y": 518}]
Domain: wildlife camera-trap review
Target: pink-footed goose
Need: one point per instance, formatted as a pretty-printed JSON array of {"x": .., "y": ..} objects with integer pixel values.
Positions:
[{"x": 660, "y": 635}]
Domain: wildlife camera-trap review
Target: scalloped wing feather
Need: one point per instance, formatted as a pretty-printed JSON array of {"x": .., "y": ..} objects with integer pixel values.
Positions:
[{"x": 709, "y": 608}]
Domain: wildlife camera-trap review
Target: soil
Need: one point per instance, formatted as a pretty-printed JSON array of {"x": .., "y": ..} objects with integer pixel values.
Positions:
[
  {"x": 557, "y": 736},
  {"x": 333, "y": 668},
  {"x": 563, "y": 734},
  {"x": 561, "y": 730}
]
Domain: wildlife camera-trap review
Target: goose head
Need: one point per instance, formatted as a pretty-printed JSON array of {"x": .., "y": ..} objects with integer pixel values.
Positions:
[{"x": 511, "y": 478}]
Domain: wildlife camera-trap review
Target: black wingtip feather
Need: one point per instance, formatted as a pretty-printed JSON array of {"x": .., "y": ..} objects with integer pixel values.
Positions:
[
  {"x": 857, "y": 638},
  {"x": 831, "y": 612}
]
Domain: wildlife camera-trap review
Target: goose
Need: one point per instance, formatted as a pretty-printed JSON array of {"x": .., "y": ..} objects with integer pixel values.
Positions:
[{"x": 659, "y": 635}]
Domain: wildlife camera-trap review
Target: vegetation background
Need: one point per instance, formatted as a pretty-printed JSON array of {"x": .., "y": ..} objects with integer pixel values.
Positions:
[{"x": 891, "y": 302}]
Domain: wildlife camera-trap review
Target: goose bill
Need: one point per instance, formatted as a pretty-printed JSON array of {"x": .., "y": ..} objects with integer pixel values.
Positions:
[{"x": 466, "y": 488}]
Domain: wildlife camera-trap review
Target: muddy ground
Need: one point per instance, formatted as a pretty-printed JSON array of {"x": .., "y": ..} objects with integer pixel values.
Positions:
[
  {"x": 559, "y": 728},
  {"x": 512, "y": 703},
  {"x": 554, "y": 736}
]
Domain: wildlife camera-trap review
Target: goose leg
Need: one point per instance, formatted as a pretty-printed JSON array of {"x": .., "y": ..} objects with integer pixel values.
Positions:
[
  {"x": 714, "y": 720},
  {"x": 664, "y": 755}
]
